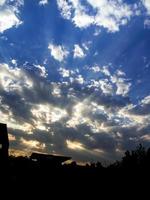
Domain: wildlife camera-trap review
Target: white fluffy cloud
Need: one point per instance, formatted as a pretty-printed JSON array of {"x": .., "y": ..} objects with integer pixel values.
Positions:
[
  {"x": 78, "y": 52},
  {"x": 56, "y": 91},
  {"x": 43, "y": 2},
  {"x": 111, "y": 82},
  {"x": 42, "y": 71},
  {"x": 146, "y": 100},
  {"x": 82, "y": 20},
  {"x": 106, "y": 86},
  {"x": 147, "y": 23},
  {"x": 8, "y": 19},
  {"x": 2, "y": 2},
  {"x": 123, "y": 86},
  {"x": 14, "y": 62},
  {"x": 111, "y": 14},
  {"x": 8, "y": 16},
  {"x": 107, "y": 14},
  {"x": 96, "y": 68},
  {"x": 58, "y": 52},
  {"x": 146, "y": 3},
  {"x": 64, "y": 72},
  {"x": 13, "y": 79},
  {"x": 79, "y": 79},
  {"x": 65, "y": 8}
]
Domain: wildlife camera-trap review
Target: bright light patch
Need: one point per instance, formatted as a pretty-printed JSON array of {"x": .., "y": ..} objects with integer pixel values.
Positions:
[
  {"x": 132, "y": 119},
  {"x": 42, "y": 70},
  {"x": 43, "y": 2},
  {"x": 74, "y": 145},
  {"x": 11, "y": 137},
  {"x": 146, "y": 3},
  {"x": 14, "y": 62},
  {"x": 146, "y": 138},
  {"x": 146, "y": 100},
  {"x": 32, "y": 144},
  {"x": 58, "y": 52},
  {"x": 47, "y": 114},
  {"x": 107, "y": 14},
  {"x": 14, "y": 79},
  {"x": 100, "y": 151},
  {"x": 8, "y": 17},
  {"x": 77, "y": 117},
  {"x": 64, "y": 72},
  {"x": 8, "y": 117},
  {"x": 56, "y": 91},
  {"x": 2, "y": 2},
  {"x": 78, "y": 51}
]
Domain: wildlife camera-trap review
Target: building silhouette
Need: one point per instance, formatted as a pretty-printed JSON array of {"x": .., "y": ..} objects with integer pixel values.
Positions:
[
  {"x": 4, "y": 142},
  {"x": 48, "y": 160}
]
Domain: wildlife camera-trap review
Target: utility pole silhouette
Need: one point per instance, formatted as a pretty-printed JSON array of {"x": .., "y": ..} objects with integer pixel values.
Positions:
[{"x": 4, "y": 143}]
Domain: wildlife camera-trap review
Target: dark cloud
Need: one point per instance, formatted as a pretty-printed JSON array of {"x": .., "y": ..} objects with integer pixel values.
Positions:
[
  {"x": 141, "y": 109},
  {"x": 55, "y": 133}
]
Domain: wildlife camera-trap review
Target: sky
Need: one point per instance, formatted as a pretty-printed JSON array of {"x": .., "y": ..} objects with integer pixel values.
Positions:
[{"x": 74, "y": 76}]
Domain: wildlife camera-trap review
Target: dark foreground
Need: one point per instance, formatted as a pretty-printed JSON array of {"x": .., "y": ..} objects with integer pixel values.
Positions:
[
  {"x": 131, "y": 174},
  {"x": 52, "y": 183},
  {"x": 24, "y": 172}
]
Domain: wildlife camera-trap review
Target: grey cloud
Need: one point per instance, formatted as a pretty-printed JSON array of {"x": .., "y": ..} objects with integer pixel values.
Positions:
[
  {"x": 141, "y": 110},
  {"x": 21, "y": 103}
]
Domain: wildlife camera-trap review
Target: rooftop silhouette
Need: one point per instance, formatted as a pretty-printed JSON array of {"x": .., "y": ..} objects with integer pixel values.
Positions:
[{"x": 49, "y": 159}]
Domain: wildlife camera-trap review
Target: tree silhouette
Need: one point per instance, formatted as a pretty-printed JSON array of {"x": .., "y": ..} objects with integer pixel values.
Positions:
[{"x": 138, "y": 158}]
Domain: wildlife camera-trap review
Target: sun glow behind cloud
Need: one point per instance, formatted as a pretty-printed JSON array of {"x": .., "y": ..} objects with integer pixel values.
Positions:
[
  {"x": 47, "y": 113},
  {"x": 32, "y": 144},
  {"x": 74, "y": 145}
]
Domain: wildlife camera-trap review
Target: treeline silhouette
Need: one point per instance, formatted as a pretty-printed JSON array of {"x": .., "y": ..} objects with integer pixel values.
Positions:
[
  {"x": 135, "y": 159},
  {"x": 20, "y": 169},
  {"x": 138, "y": 158}
]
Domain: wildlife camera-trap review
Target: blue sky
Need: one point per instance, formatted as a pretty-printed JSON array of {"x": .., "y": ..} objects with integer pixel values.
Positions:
[{"x": 74, "y": 76}]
